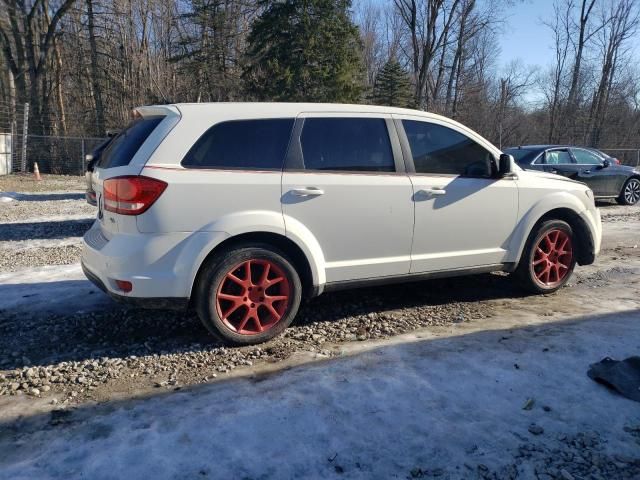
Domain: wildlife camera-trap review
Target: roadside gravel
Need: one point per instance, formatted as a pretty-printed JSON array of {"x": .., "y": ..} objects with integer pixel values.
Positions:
[
  {"x": 572, "y": 457},
  {"x": 74, "y": 355},
  {"x": 16, "y": 259},
  {"x": 47, "y": 205}
]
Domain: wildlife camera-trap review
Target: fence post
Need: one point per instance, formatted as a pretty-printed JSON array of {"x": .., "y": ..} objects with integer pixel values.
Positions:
[
  {"x": 25, "y": 129},
  {"x": 83, "y": 157}
]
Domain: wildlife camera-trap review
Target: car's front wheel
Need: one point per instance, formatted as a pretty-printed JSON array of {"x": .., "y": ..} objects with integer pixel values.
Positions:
[
  {"x": 548, "y": 258},
  {"x": 248, "y": 295},
  {"x": 630, "y": 193}
]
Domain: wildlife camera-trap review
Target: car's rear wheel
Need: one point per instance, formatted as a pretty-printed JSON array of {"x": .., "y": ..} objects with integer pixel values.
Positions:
[
  {"x": 548, "y": 258},
  {"x": 248, "y": 295},
  {"x": 630, "y": 193}
]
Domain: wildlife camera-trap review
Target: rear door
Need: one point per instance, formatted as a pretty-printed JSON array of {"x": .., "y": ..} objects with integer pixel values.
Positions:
[
  {"x": 560, "y": 162},
  {"x": 345, "y": 182}
]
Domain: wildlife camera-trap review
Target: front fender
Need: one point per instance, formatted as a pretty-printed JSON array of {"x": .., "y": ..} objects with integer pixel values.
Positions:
[{"x": 529, "y": 218}]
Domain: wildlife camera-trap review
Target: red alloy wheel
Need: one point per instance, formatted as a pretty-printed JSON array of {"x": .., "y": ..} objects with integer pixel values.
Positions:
[
  {"x": 552, "y": 258},
  {"x": 253, "y": 296}
]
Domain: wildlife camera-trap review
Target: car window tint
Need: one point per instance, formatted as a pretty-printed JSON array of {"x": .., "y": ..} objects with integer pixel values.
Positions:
[
  {"x": 557, "y": 157},
  {"x": 585, "y": 157},
  {"x": 243, "y": 144},
  {"x": 347, "y": 144},
  {"x": 124, "y": 146},
  {"x": 442, "y": 150}
]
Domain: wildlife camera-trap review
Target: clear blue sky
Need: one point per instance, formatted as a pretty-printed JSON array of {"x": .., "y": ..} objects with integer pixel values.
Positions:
[{"x": 524, "y": 36}]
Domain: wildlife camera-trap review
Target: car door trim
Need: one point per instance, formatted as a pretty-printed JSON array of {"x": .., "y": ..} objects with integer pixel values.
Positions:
[{"x": 418, "y": 276}]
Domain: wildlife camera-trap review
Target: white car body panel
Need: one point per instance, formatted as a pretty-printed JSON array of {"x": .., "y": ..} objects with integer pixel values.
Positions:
[{"x": 363, "y": 226}]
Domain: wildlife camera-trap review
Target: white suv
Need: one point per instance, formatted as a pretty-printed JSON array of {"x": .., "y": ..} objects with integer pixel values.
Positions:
[{"x": 243, "y": 209}]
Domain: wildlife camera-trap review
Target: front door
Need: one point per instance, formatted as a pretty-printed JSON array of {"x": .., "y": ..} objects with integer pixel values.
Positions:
[
  {"x": 346, "y": 185},
  {"x": 464, "y": 216},
  {"x": 604, "y": 181}
]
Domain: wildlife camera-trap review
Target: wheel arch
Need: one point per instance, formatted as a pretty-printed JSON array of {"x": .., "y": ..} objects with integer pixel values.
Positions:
[
  {"x": 635, "y": 176},
  {"x": 281, "y": 242},
  {"x": 551, "y": 210},
  {"x": 583, "y": 238}
]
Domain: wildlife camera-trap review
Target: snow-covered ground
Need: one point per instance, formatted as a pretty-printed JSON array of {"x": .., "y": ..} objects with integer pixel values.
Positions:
[
  {"x": 460, "y": 379},
  {"x": 450, "y": 407}
]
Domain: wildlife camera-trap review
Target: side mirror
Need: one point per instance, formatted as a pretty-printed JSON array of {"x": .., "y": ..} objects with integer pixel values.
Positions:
[
  {"x": 505, "y": 165},
  {"x": 606, "y": 163}
]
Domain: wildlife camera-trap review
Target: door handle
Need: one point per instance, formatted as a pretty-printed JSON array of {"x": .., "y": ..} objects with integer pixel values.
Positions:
[
  {"x": 431, "y": 191},
  {"x": 586, "y": 171},
  {"x": 307, "y": 192}
]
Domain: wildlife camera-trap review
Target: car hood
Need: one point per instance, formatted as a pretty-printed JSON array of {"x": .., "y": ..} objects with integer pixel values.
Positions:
[{"x": 550, "y": 176}]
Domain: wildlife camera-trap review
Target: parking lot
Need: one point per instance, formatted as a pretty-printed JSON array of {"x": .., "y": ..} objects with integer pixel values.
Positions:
[{"x": 66, "y": 347}]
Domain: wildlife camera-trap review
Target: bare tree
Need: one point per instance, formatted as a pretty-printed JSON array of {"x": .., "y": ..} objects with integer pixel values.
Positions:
[{"x": 619, "y": 24}]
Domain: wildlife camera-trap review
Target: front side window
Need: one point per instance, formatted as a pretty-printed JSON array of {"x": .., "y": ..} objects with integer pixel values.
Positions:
[
  {"x": 121, "y": 150},
  {"x": 585, "y": 157},
  {"x": 557, "y": 157},
  {"x": 242, "y": 144},
  {"x": 346, "y": 144},
  {"x": 437, "y": 149}
]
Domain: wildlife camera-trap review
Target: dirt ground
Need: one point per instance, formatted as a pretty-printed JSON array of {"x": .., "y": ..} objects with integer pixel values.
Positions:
[
  {"x": 27, "y": 183},
  {"x": 64, "y": 344}
]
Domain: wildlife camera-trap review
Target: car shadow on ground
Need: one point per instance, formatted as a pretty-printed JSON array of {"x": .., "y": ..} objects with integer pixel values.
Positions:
[
  {"x": 48, "y": 197},
  {"x": 51, "y": 322},
  {"x": 44, "y": 230},
  {"x": 443, "y": 401}
]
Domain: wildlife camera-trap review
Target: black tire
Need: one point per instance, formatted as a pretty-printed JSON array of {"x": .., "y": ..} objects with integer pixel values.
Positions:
[
  {"x": 216, "y": 279},
  {"x": 630, "y": 193},
  {"x": 531, "y": 276}
]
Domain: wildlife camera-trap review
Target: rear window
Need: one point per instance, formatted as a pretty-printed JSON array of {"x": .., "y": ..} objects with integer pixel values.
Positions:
[
  {"x": 522, "y": 155},
  {"x": 124, "y": 146},
  {"x": 242, "y": 144},
  {"x": 347, "y": 144}
]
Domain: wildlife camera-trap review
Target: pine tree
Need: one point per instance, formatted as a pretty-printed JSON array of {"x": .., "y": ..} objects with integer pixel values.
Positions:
[
  {"x": 392, "y": 86},
  {"x": 304, "y": 50}
]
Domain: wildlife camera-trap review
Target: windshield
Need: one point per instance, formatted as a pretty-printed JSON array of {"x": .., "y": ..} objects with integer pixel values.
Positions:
[{"x": 522, "y": 155}]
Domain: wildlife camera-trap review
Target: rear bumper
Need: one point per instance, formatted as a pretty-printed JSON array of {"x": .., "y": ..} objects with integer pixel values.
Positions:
[
  {"x": 155, "y": 303},
  {"x": 160, "y": 267}
]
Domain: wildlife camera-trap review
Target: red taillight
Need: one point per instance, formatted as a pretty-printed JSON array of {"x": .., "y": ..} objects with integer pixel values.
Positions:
[
  {"x": 131, "y": 195},
  {"x": 616, "y": 161}
]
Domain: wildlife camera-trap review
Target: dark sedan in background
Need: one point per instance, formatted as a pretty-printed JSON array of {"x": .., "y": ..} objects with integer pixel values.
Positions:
[{"x": 600, "y": 172}]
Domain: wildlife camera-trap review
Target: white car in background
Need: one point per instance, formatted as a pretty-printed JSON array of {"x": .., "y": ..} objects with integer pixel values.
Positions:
[{"x": 244, "y": 209}]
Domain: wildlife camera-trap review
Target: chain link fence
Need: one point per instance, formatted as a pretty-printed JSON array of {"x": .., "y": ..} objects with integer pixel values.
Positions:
[
  {"x": 20, "y": 150},
  {"x": 58, "y": 155}
]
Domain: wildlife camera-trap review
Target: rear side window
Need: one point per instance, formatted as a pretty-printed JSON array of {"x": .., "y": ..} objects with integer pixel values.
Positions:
[
  {"x": 124, "y": 146},
  {"x": 557, "y": 157},
  {"x": 438, "y": 149},
  {"x": 347, "y": 144},
  {"x": 242, "y": 144}
]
